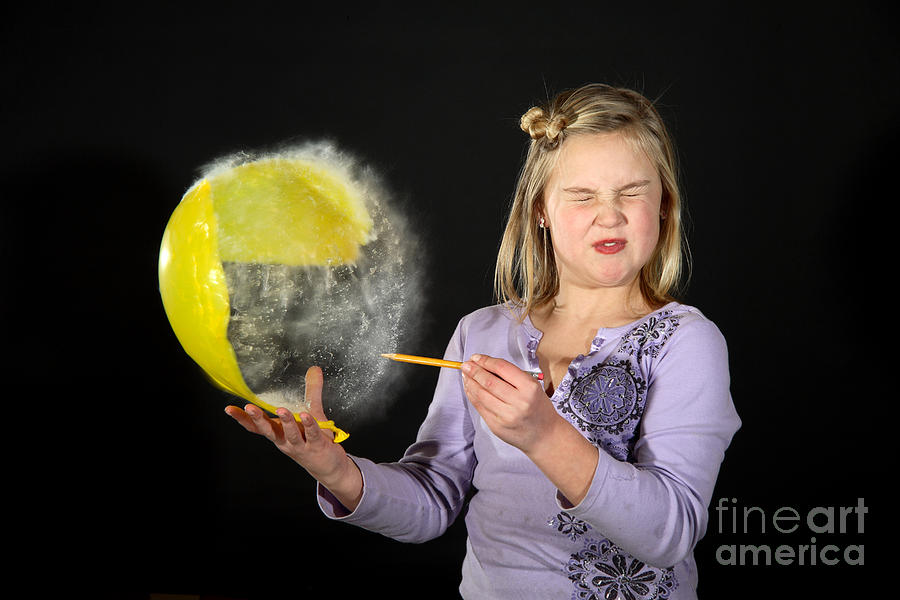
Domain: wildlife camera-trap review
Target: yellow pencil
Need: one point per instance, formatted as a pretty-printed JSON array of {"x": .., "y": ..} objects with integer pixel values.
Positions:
[
  {"x": 439, "y": 362},
  {"x": 424, "y": 360}
]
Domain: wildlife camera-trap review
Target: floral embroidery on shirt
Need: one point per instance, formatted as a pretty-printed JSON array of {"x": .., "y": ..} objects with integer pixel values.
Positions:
[
  {"x": 603, "y": 570},
  {"x": 568, "y": 525},
  {"x": 609, "y": 397},
  {"x": 650, "y": 336},
  {"x": 606, "y": 401}
]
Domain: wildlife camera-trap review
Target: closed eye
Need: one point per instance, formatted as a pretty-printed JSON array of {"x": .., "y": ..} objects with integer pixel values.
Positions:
[{"x": 632, "y": 190}]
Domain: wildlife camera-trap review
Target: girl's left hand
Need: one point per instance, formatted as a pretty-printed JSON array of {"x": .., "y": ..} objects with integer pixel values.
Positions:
[{"x": 512, "y": 403}]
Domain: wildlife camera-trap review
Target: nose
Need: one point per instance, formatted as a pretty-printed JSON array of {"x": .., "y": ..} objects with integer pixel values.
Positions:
[{"x": 609, "y": 213}]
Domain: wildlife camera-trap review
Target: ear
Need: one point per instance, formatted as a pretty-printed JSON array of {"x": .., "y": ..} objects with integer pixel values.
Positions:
[{"x": 537, "y": 213}]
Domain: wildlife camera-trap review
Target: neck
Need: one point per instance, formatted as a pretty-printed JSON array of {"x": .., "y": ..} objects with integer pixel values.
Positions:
[{"x": 599, "y": 307}]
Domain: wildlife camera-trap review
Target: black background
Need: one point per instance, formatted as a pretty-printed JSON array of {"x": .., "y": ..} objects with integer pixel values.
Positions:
[{"x": 131, "y": 480}]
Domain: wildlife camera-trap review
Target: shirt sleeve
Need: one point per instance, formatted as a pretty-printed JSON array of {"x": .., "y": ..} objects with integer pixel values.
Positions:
[
  {"x": 657, "y": 507},
  {"x": 417, "y": 498}
]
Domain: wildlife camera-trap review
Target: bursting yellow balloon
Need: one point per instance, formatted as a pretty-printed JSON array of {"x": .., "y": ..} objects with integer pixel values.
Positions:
[{"x": 276, "y": 210}]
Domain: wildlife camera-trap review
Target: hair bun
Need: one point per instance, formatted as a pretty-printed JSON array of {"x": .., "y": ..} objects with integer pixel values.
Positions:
[{"x": 536, "y": 124}]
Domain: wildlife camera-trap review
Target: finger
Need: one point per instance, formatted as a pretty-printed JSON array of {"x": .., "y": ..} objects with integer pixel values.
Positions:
[
  {"x": 489, "y": 381},
  {"x": 293, "y": 434},
  {"x": 503, "y": 369},
  {"x": 265, "y": 426},
  {"x": 314, "y": 433},
  {"x": 487, "y": 405},
  {"x": 313, "y": 392},
  {"x": 241, "y": 417}
]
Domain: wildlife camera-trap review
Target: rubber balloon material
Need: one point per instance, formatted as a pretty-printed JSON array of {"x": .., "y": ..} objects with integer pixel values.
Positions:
[{"x": 268, "y": 212}]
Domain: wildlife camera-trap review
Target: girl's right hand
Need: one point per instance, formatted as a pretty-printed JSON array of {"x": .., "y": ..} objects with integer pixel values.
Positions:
[{"x": 308, "y": 445}]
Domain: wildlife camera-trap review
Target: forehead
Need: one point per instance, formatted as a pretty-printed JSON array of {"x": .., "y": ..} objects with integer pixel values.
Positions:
[{"x": 601, "y": 159}]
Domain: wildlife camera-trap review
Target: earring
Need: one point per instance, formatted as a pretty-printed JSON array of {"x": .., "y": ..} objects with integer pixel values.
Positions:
[{"x": 541, "y": 223}]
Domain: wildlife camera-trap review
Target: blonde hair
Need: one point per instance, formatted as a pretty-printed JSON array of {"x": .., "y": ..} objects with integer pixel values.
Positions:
[{"x": 526, "y": 275}]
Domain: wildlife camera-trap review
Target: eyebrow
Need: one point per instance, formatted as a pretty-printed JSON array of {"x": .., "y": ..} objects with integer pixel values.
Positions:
[{"x": 627, "y": 186}]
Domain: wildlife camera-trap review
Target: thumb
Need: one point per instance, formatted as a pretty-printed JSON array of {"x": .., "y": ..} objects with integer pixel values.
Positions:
[{"x": 313, "y": 393}]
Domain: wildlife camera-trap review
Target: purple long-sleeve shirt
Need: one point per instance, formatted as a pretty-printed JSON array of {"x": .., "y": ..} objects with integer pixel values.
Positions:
[{"x": 652, "y": 396}]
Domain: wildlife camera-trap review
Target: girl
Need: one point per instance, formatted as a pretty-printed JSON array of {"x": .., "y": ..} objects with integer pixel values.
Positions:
[{"x": 596, "y": 482}]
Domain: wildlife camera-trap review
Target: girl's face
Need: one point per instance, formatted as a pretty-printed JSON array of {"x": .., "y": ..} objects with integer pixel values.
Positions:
[{"x": 602, "y": 205}]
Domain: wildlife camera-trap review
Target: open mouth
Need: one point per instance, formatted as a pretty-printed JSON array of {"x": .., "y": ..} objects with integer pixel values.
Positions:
[{"x": 609, "y": 246}]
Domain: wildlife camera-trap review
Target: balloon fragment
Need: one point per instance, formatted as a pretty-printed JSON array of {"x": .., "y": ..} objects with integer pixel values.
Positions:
[{"x": 272, "y": 264}]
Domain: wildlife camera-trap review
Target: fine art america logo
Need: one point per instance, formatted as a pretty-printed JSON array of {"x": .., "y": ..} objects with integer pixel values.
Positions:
[{"x": 787, "y": 523}]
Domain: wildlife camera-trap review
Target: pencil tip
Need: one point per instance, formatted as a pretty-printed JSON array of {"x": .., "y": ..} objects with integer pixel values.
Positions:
[{"x": 388, "y": 355}]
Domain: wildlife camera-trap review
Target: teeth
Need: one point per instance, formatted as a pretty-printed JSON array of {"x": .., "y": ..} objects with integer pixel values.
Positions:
[{"x": 609, "y": 243}]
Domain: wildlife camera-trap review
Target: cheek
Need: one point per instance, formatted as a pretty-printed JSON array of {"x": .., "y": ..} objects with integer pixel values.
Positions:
[
  {"x": 570, "y": 227},
  {"x": 575, "y": 219},
  {"x": 649, "y": 228}
]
